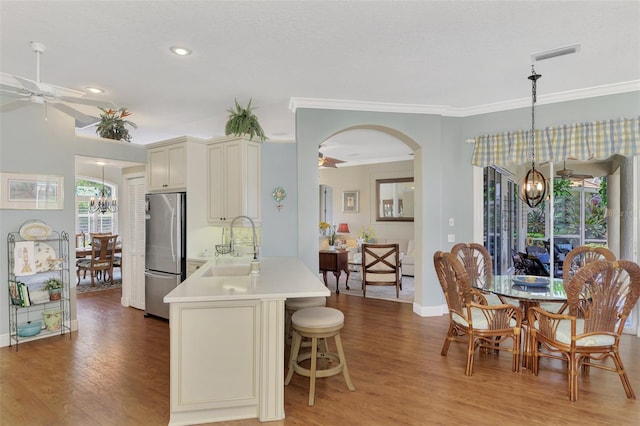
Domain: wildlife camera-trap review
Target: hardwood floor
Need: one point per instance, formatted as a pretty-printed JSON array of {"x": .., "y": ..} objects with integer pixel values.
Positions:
[{"x": 115, "y": 371}]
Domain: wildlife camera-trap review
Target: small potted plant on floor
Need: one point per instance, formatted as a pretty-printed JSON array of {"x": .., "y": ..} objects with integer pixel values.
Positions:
[
  {"x": 54, "y": 287},
  {"x": 242, "y": 121}
]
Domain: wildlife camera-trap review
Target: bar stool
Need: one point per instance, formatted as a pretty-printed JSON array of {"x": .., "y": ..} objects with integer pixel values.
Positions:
[
  {"x": 296, "y": 303},
  {"x": 317, "y": 323}
]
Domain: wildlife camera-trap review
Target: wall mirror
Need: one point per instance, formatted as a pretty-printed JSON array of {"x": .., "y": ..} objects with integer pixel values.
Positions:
[{"x": 394, "y": 199}]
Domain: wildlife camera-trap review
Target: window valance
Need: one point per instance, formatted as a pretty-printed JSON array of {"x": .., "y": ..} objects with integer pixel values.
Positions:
[{"x": 582, "y": 141}]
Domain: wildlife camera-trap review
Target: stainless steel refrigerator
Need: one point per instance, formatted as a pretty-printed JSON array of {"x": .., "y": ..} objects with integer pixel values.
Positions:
[{"x": 165, "y": 249}]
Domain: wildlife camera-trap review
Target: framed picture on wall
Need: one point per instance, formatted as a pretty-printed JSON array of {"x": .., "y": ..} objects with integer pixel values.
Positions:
[
  {"x": 350, "y": 201},
  {"x": 31, "y": 192}
]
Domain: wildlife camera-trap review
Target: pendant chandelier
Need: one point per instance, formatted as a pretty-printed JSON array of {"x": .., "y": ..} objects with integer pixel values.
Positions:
[
  {"x": 103, "y": 203},
  {"x": 533, "y": 187}
]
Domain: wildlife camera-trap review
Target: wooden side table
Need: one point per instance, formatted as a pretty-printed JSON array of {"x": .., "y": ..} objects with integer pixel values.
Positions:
[{"x": 335, "y": 261}]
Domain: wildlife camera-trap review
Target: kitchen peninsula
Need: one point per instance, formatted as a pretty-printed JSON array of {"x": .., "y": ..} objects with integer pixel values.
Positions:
[{"x": 227, "y": 338}]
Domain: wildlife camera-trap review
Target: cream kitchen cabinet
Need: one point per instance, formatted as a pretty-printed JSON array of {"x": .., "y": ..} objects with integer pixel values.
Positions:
[
  {"x": 167, "y": 167},
  {"x": 234, "y": 179}
]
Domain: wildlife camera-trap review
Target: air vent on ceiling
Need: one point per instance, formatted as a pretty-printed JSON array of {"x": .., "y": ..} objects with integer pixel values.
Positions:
[{"x": 553, "y": 53}]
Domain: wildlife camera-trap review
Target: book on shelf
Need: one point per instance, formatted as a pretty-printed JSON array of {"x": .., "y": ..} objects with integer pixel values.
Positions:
[
  {"x": 14, "y": 293},
  {"x": 26, "y": 300},
  {"x": 19, "y": 293}
]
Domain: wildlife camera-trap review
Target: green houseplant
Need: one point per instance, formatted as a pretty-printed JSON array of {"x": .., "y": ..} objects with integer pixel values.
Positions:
[
  {"x": 242, "y": 121},
  {"x": 112, "y": 124},
  {"x": 54, "y": 287}
]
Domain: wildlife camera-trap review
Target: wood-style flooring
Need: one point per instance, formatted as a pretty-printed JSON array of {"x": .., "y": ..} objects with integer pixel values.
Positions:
[{"x": 115, "y": 371}]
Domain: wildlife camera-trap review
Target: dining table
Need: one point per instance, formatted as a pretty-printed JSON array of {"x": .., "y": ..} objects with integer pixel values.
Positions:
[
  {"x": 529, "y": 291},
  {"x": 86, "y": 251}
]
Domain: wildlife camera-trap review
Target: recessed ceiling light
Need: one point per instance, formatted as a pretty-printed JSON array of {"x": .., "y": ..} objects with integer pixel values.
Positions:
[
  {"x": 95, "y": 90},
  {"x": 180, "y": 51},
  {"x": 553, "y": 53}
]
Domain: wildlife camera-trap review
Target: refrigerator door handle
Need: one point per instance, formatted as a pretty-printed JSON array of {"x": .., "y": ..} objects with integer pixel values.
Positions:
[
  {"x": 173, "y": 248},
  {"x": 156, "y": 274}
]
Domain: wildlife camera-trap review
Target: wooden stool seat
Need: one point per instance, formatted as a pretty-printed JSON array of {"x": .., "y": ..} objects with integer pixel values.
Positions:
[
  {"x": 295, "y": 304},
  {"x": 317, "y": 323}
]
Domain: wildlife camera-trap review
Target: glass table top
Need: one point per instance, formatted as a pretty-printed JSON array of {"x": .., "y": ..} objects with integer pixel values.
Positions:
[{"x": 527, "y": 287}]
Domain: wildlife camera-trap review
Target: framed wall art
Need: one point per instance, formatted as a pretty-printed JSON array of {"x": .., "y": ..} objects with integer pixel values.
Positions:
[
  {"x": 31, "y": 191},
  {"x": 350, "y": 201}
]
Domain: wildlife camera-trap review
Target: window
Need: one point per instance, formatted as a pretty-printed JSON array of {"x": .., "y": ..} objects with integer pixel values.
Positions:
[{"x": 86, "y": 221}]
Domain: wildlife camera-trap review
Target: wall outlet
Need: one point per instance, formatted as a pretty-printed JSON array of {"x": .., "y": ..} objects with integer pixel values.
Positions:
[
  {"x": 451, "y": 221},
  {"x": 451, "y": 238}
]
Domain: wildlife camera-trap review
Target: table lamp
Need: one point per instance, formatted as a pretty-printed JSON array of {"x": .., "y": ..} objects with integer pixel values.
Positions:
[{"x": 343, "y": 228}]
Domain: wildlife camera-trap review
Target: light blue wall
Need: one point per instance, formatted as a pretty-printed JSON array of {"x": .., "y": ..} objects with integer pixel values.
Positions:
[
  {"x": 422, "y": 133},
  {"x": 442, "y": 166},
  {"x": 31, "y": 144},
  {"x": 279, "y": 227}
]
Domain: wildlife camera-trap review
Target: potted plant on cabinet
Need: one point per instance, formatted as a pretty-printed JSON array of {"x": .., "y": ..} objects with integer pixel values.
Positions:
[
  {"x": 112, "y": 124},
  {"x": 54, "y": 287},
  {"x": 242, "y": 121}
]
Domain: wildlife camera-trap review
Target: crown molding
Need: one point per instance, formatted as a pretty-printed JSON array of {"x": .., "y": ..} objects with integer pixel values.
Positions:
[
  {"x": 341, "y": 104},
  {"x": 448, "y": 111}
]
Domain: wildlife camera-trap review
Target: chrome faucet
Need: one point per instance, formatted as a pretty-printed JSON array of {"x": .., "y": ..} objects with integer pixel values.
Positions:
[{"x": 255, "y": 239}]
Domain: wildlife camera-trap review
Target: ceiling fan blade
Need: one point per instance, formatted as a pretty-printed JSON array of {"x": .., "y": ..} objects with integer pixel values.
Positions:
[
  {"x": 330, "y": 162},
  {"x": 30, "y": 85},
  {"x": 82, "y": 120},
  {"x": 13, "y": 93},
  {"x": 15, "y": 104},
  {"x": 87, "y": 101}
]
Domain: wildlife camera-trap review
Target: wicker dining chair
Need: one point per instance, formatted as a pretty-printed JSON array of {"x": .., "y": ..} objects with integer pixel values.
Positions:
[
  {"x": 600, "y": 297},
  {"x": 582, "y": 255},
  {"x": 476, "y": 260},
  {"x": 471, "y": 318}
]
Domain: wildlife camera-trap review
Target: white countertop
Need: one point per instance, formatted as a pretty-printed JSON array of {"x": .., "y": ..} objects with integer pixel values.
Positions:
[{"x": 279, "y": 277}]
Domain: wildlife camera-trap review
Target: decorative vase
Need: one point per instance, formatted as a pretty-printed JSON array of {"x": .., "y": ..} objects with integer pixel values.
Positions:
[
  {"x": 332, "y": 248},
  {"x": 52, "y": 319},
  {"x": 55, "y": 294}
]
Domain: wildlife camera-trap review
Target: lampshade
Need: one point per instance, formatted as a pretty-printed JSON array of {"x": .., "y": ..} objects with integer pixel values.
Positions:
[
  {"x": 343, "y": 228},
  {"x": 533, "y": 187}
]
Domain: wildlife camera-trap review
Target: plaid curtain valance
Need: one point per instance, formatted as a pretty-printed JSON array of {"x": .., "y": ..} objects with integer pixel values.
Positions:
[{"x": 583, "y": 141}]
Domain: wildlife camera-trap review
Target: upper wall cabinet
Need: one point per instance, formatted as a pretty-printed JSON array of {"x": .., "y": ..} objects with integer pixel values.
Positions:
[
  {"x": 234, "y": 179},
  {"x": 167, "y": 167}
]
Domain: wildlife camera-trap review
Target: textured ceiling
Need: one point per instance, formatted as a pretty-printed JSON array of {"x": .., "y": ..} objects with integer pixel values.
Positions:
[{"x": 458, "y": 55}]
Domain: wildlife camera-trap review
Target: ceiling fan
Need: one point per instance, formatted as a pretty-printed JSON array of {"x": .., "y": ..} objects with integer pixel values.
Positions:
[
  {"x": 328, "y": 161},
  {"x": 22, "y": 90},
  {"x": 565, "y": 173}
]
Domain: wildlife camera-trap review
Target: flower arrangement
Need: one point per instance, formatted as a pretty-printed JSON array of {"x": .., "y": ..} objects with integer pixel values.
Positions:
[
  {"x": 324, "y": 226},
  {"x": 367, "y": 233},
  {"x": 332, "y": 235},
  {"x": 112, "y": 122}
]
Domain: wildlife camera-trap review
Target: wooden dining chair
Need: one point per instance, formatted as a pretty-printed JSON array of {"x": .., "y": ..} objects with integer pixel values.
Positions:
[
  {"x": 101, "y": 260},
  {"x": 381, "y": 266},
  {"x": 482, "y": 325},
  {"x": 600, "y": 297}
]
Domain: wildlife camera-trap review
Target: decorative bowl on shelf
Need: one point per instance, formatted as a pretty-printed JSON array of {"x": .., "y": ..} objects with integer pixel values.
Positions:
[{"x": 30, "y": 328}]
